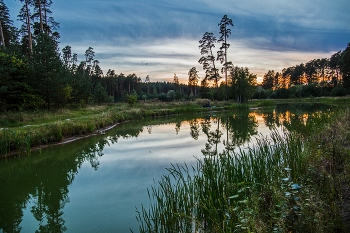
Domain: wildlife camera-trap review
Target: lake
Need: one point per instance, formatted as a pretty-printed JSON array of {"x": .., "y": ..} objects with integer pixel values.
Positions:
[{"x": 96, "y": 183}]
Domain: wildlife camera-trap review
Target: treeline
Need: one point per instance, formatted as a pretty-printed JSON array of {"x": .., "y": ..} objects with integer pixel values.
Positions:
[
  {"x": 318, "y": 77},
  {"x": 36, "y": 73}
]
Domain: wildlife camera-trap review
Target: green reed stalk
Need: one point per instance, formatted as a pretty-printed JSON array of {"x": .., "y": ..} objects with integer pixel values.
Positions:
[{"x": 223, "y": 192}]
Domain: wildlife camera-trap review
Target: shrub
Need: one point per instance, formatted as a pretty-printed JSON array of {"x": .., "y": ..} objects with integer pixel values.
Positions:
[
  {"x": 131, "y": 99},
  {"x": 339, "y": 91}
]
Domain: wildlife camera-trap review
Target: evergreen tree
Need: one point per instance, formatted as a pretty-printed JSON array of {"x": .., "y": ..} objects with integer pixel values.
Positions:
[
  {"x": 176, "y": 80},
  {"x": 206, "y": 45},
  {"x": 46, "y": 65},
  {"x": 25, "y": 17},
  {"x": 243, "y": 83},
  {"x": 334, "y": 64},
  {"x": 147, "y": 80},
  {"x": 13, "y": 87},
  {"x": 193, "y": 80},
  {"x": 204, "y": 89},
  {"x": 222, "y": 53},
  {"x": 310, "y": 71},
  {"x": 268, "y": 80},
  {"x": 345, "y": 66},
  {"x": 42, "y": 19},
  {"x": 8, "y": 33},
  {"x": 67, "y": 56}
]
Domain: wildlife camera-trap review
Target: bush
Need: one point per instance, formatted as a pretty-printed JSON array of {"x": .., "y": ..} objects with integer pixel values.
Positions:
[
  {"x": 171, "y": 95},
  {"x": 339, "y": 91},
  {"x": 280, "y": 94},
  {"x": 131, "y": 99}
]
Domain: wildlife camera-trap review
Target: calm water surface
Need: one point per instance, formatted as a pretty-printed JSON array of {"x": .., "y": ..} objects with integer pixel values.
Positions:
[{"x": 95, "y": 184}]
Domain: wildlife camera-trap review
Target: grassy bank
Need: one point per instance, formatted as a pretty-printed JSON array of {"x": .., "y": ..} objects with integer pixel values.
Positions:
[
  {"x": 22, "y": 131},
  {"x": 324, "y": 100},
  {"x": 286, "y": 183}
]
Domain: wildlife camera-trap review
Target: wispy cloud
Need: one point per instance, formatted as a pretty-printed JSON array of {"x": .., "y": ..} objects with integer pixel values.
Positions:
[{"x": 161, "y": 59}]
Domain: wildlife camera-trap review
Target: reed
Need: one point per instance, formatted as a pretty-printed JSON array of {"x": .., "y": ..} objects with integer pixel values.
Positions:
[
  {"x": 216, "y": 196},
  {"x": 270, "y": 187}
]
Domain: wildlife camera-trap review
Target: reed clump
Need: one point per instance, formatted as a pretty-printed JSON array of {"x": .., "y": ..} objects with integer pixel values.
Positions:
[{"x": 287, "y": 182}]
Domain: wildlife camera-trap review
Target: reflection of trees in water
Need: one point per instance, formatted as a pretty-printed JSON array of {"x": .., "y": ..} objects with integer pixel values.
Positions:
[
  {"x": 149, "y": 129},
  {"x": 177, "y": 127},
  {"x": 42, "y": 181},
  {"x": 214, "y": 138},
  {"x": 194, "y": 128},
  {"x": 295, "y": 117},
  {"x": 206, "y": 125},
  {"x": 240, "y": 128},
  {"x": 270, "y": 119}
]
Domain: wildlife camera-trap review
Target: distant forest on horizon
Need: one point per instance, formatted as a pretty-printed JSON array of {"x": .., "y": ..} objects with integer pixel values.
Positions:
[{"x": 37, "y": 74}]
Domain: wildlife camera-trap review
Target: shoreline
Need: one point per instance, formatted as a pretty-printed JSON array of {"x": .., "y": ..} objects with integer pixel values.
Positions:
[{"x": 23, "y": 140}]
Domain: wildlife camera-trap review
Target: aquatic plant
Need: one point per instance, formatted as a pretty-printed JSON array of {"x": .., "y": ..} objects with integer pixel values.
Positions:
[
  {"x": 273, "y": 186},
  {"x": 220, "y": 194}
]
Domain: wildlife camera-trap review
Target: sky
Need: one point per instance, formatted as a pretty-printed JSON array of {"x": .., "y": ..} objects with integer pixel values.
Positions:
[{"x": 160, "y": 38}]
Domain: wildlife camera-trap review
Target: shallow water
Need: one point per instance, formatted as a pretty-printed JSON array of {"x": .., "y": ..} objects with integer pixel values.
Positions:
[{"x": 95, "y": 184}]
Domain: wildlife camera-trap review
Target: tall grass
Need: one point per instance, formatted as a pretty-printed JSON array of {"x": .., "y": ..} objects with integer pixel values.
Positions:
[
  {"x": 217, "y": 195},
  {"x": 270, "y": 187}
]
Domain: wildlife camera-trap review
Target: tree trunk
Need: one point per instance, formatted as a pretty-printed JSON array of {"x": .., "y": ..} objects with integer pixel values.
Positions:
[
  {"x": 41, "y": 16},
  {"x": 226, "y": 98},
  {"x": 2, "y": 36},
  {"x": 28, "y": 29},
  {"x": 45, "y": 18}
]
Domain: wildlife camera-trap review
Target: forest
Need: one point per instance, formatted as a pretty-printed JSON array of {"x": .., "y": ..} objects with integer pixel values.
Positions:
[{"x": 37, "y": 74}]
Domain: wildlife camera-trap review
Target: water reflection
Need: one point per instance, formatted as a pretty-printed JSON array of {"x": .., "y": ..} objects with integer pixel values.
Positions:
[
  {"x": 37, "y": 187},
  {"x": 295, "y": 117},
  {"x": 241, "y": 128}
]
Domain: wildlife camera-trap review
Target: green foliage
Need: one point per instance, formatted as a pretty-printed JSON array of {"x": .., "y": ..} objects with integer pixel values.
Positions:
[
  {"x": 267, "y": 103},
  {"x": 131, "y": 99},
  {"x": 206, "y": 45},
  {"x": 339, "y": 91},
  {"x": 269, "y": 80},
  {"x": 345, "y": 66},
  {"x": 242, "y": 84},
  {"x": 32, "y": 101},
  {"x": 101, "y": 94},
  {"x": 13, "y": 82},
  {"x": 66, "y": 92},
  {"x": 8, "y": 37},
  {"x": 280, "y": 94},
  {"x": 171, "y": 95},
  {"x": 45, "y": 65}
]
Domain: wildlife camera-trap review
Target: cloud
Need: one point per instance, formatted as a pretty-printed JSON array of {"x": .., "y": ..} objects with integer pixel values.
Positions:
[
  {"x": 126, "y": 35},
  {"x": 160, "y": 59}
]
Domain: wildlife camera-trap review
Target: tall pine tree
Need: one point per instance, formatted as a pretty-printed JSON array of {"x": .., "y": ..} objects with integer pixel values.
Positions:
[{"x": 8, "y": 33}]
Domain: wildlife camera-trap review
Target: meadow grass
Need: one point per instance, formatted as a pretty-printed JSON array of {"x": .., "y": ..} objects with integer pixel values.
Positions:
[{"x": 284, "y": 183}]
